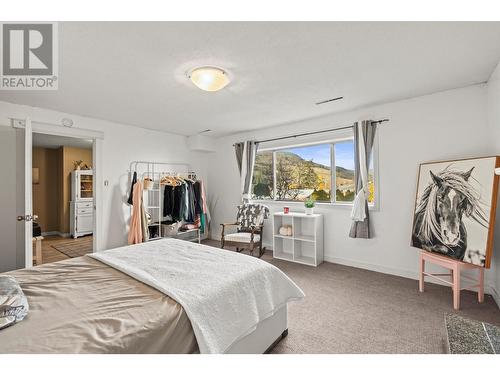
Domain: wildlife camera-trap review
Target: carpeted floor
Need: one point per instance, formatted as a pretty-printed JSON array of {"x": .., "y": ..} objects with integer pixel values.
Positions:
[{"x": 350, "y": 310}]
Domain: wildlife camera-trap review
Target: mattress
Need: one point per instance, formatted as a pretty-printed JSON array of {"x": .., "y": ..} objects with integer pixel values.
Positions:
[{"x": 81, "y": 305}]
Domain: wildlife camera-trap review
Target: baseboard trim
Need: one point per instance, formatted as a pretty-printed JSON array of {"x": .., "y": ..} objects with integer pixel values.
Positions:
[
  {"x": 409, "y": 274},
  {"x": 56, "y": 233},
  {"x": 495, "y": 295},
  {"x": 366, "y": 266}
]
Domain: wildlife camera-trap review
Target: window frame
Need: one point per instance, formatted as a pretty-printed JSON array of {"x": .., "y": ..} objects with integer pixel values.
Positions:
[{"x": 333, "y": 176}]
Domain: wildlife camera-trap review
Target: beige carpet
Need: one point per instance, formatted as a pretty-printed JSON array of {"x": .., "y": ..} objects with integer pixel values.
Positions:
[
  {"x": 350, "y": 310},
  {"x": 75, "y": 247}
]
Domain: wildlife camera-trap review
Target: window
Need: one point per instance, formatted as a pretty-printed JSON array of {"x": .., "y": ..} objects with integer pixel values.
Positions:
[
  {"x": 345, "y": 185},
  {"x": 303, "y": 172},
  {"x": 262, "y": 183}
]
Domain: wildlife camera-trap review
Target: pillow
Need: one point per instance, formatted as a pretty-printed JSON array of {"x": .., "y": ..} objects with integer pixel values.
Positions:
[{"x": 13, "y": 303}]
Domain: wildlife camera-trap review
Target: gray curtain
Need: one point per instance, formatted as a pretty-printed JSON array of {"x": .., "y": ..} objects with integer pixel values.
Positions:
[
  {"x": 238, "y": 149},
  {"x": 364, "y": 136},
  {"x": 245, "y": 157}
]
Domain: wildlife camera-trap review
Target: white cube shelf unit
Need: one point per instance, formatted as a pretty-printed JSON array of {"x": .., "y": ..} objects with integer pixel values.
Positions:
[{"x": 305, "y": 245}]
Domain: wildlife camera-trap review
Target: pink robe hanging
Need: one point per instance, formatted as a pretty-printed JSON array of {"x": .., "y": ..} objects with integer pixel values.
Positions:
[{"x": 135, "y": 231}]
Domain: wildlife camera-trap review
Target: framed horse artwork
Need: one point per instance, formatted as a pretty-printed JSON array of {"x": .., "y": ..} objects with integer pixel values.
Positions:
[{"x": 455, "y": 209}]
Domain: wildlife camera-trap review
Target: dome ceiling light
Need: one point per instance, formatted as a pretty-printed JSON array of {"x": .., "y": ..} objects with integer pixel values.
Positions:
[{"x": 209, "y": 78}]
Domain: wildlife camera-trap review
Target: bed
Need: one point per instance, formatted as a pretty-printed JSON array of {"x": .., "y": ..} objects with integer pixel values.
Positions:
[{"x": 183, "y": 298}]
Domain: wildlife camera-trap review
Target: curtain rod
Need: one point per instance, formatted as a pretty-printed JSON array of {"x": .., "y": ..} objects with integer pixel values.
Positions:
[{"x": 316, "y": 132}]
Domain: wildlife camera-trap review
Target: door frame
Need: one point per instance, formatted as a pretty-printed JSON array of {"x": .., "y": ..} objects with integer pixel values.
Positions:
[{"x": 97, "y": 161}]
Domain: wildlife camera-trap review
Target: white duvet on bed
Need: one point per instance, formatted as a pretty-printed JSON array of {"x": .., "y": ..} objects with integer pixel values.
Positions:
[{"x": 224, "y": 294}]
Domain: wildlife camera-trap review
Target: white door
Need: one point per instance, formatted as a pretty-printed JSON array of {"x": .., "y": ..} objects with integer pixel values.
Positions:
[{"x": 15, "y": 196}]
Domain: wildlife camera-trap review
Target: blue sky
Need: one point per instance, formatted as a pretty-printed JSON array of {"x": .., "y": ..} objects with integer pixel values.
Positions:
[{"x": 320, "y": 154}]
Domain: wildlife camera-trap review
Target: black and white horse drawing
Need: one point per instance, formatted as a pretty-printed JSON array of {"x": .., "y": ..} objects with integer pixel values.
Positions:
[{"x": 438, "y": 222}]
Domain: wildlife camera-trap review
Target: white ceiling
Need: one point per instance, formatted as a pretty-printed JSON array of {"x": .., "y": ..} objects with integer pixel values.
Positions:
[
  {"x": 134, "y": 73},
  {"x": 55, "y": 141}
]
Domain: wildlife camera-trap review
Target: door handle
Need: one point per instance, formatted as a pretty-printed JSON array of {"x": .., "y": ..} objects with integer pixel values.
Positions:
[{"x": 25, "y": 218}]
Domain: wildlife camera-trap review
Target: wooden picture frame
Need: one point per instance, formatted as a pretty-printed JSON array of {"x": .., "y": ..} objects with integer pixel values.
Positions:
[{"x": 455, "y": 208}]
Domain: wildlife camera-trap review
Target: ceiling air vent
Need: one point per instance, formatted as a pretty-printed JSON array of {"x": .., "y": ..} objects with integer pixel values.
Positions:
[{"x": 330, "y": 100}]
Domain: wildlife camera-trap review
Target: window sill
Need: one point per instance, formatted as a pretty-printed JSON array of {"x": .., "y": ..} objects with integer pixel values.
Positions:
[{"x": 371, "y": 207}]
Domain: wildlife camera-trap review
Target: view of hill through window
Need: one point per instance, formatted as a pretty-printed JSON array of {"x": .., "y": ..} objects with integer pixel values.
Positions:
[{"x": 305, "y": 172}]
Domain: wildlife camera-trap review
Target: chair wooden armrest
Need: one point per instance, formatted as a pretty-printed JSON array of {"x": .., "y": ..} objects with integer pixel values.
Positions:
[
  {"x": 224, "y": 224},
  {"x": 257, "y": 227}
]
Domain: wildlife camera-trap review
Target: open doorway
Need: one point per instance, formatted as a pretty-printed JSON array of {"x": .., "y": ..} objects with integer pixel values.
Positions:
[{"x": 63, "y": 197}]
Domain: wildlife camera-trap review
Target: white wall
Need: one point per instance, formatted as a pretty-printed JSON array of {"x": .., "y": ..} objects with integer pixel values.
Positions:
[
  {"x": 493, "y": 106},
  {"x": 464, "y": 118},
  {"x": 121, "y": 145},
  {"x": 441, "y": 126}
]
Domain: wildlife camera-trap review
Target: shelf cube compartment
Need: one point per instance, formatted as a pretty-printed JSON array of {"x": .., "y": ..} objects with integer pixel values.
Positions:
[
  {"x": 304, "y": 252},
  {"x": 283, "y": 248},
  {"x": 304, "y": 228},
  {"x": 280, "y": 221}
]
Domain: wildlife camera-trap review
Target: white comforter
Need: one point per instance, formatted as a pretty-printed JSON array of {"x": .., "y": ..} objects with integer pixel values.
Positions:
[{"x": 225, "y": 294}]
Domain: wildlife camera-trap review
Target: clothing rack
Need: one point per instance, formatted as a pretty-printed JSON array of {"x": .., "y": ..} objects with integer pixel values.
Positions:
[
  {"x": 154, "y": 196},
  {"x": 189, "y": 175},
  {"x": 154, "y": 166}
]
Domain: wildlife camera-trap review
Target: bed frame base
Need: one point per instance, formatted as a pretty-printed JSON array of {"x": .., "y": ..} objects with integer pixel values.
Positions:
[
  {"x": 276, "y": 342},
  {"x": 265, "y": 337}
]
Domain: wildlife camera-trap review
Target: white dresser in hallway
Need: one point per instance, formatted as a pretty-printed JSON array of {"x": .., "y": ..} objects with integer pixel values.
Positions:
[{"x": 304, "y": 244}]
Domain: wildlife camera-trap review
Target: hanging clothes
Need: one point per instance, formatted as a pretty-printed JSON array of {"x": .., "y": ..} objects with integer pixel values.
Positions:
[
  {"x": 135, "y": 231},
  {"x": 205, "y": 216},
  {"x": 186, "y": 202},
  {"x": 168, "y": 200},
  {"x": 178, "y": 208},
  {"x": 202, "y": 225},
  {"x": 144, "y": 222},
  {"x": 206, "y": 211},
  {"x": 198, "y": 197},
  {"x": 134, "y": 181},
  {"x": 189, "y": 199}
]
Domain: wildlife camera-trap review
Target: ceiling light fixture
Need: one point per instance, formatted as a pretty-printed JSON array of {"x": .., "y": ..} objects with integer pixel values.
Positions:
[{"x": 209, "y": 78}]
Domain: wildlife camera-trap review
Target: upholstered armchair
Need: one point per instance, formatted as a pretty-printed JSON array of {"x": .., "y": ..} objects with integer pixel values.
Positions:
[{"x": 249, "y": 229}]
